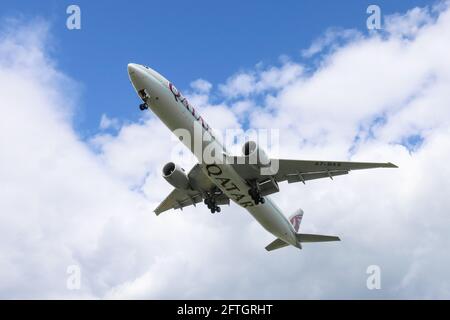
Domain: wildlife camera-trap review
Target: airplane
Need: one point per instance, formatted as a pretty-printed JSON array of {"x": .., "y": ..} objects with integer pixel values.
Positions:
[{"x": 225, "y": 177}]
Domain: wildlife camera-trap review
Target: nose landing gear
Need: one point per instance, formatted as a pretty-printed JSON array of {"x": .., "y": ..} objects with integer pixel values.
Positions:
[{"x": 144, "y": 96}]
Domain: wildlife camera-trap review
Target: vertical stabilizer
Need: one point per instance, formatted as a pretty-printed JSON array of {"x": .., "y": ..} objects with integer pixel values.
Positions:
[{"x": 296, "y": 219}]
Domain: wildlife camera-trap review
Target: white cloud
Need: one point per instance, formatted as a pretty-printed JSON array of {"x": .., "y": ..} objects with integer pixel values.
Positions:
[
  {"x": 334, "y": 38},
  {"x": 62, "y": 204},
  {"x": 109, "y": 123},
  {"x": 201, "y": 85},
  {"x": 261, "y": 80},
  {"x": 409, "y": 24},
  {"x": 241, "y": 84}
]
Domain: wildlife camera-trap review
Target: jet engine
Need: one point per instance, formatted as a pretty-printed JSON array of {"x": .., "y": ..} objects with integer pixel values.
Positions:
[
  {"x": 176, "y": 176},
  {"x": 255, "y": 155}
]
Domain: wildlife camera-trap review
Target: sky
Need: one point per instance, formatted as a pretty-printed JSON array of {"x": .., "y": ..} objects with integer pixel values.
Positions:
[
  {"x": 80, "y": 165},
  {"x": 207, "y": 40}
]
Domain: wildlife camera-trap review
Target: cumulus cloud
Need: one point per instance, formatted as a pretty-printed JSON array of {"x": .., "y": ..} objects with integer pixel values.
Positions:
[
  {"x": 332, "y": 39},
  {"x": 109, "y": 123},
  {"x": 407, "y": 25},
  {"x": 67, "y": 202},
  {"x": 63, "y": 204},
  {"x": 262, "y": 79},
  {"x": 240, "y": 84},
  {"x": 201, "y": 85}
]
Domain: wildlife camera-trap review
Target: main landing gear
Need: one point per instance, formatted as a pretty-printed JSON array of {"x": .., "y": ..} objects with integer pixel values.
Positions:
[
  {"x": 211, "y": 203},
  {"x": 255, "y": 193}
]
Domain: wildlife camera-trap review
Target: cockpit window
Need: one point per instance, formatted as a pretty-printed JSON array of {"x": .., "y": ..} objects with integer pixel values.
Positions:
[{"x": 157, "y": 75}]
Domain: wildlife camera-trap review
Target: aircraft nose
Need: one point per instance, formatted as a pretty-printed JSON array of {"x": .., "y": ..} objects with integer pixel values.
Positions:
[
  {"x": 132, "y": 68},
  {"x": 136, "y": 75}
]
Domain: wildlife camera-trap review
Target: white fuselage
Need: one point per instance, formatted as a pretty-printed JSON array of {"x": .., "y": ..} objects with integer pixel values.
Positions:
[{"x": 176, "y": 113}]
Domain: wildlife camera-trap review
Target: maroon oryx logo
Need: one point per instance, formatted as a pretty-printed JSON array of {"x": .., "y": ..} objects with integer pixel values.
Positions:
[{"x": 295, "y": 221}]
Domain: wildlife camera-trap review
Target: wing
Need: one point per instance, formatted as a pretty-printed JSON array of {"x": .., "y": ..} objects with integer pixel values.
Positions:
[
  {"x": 179, "y": 198},
  {"x": 301, "y": 170}
]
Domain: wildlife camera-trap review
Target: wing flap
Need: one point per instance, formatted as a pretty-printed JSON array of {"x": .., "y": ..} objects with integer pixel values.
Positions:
[
  {"x": 179, "y": 199},
  {"x": 302, "y": 177}
]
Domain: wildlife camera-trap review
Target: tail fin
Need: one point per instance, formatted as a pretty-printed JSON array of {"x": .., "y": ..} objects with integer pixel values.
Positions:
[{"x": 296, "y": 219}]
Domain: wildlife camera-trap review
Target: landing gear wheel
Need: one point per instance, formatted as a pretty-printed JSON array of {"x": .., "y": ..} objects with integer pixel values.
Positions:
[
  {"x": 215, "y": 209},
  {"x": 211, "y": 199},
  {"x": 211, "y": 204},
  {"x": 256, "y": 197},
  {"x": 143, "y": 106}
]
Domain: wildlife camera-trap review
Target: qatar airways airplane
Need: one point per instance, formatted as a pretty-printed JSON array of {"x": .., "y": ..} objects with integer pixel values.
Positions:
[{"x": 215, "y": 180}]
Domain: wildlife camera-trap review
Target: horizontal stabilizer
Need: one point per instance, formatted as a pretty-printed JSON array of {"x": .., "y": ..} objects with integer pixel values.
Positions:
[
  {"x": 277, "y": 244},
  {"x": 305, "y": 237}
]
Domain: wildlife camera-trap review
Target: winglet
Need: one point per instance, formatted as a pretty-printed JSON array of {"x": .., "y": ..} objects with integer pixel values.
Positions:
[{"x": 391, "y": 165}]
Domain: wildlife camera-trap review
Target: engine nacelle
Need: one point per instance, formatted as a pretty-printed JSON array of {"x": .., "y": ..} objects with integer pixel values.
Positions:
[
  {"x": 176, "y": 176},
  {"x": 255, "y": 155}
]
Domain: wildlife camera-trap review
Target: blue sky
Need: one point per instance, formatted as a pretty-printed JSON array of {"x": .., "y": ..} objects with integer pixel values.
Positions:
[{"x": 183, "y": 40}]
